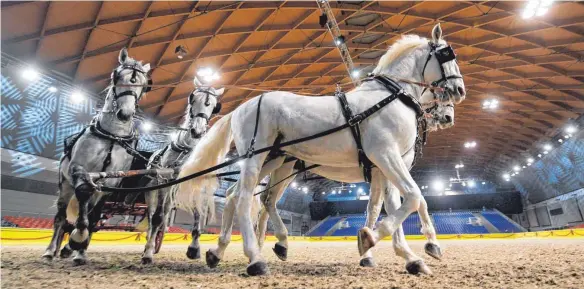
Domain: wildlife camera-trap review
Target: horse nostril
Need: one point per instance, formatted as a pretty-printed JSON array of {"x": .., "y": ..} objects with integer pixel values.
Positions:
[
  {"x": 448, "y": 118},
  {"x": 133, "y": 80},
  {"x": 120, "y": 115},
  {"x": 460, "y": 90}
]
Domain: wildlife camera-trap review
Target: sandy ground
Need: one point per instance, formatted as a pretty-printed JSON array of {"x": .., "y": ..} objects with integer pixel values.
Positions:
[{"x": 543, "y": 263}]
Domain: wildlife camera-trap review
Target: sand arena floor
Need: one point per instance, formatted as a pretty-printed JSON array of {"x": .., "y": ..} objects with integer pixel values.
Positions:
[{"x": 541, "y": 263}]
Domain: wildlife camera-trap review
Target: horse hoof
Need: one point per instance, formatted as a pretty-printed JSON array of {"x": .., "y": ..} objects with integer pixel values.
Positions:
[
  {"x": 258, "y": 269},
  {"x": 211, "y": 259},
  {"x": 194, "y": 253},
  {"x": 79, "y": 261},
  {"x": 433, "y": 250},
  {"x": 66, "y": 252},
  {"x": 281, "y": 252},
  {"x": 47, "y": 258},
  {"x": 367, "y": 262},
  {"x": 74, "y": 245},
  {"x": 364, "y": 240},
  {"x": 146, "y": 260},
  {"x": 417, "y": 267}
]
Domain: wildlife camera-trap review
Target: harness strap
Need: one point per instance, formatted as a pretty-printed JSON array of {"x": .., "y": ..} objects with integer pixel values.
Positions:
[
  {"x": 364, "y": 161},
  {"x": 255, "y": 130}
]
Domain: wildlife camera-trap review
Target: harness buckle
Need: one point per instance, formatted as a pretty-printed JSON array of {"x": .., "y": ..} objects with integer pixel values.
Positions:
[{"x": 355, "y": 120}]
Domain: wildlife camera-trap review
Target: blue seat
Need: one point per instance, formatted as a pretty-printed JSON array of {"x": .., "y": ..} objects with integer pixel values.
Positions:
[
  {"x": 325, "y": 226},
  {"x": 456, "y": 223},
  {"x": 355, "y": 224},
  {"x": 500, "y": 222}
]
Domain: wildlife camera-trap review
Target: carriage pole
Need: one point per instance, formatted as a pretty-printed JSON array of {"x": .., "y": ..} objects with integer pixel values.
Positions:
[{"x": 168, "y": 172}]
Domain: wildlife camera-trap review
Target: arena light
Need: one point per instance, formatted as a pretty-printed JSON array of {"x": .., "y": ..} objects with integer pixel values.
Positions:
[
  {"x": 459, "y": 166},
  {"x": 464, "y": 184},
  {"x": 333, "y": 192},
  {"x": 470, "y": 144},
  {"x": 471, "y": 184},
  {"x": 340, "y": 40},
  {"x": 539, "y": 155},
  {"x": 516, "y": 168},
  {"x": 536, "y": 8},
  {"x": 570, "y": 129},
  {"x": 484, "y": 183},
  {"x": 438, "y": 185},
  {"x": 322, "y": 193},
  {"x": 30, "y": 74},
  {"x": 208, "y": 74},
  {"x": 294, "y": 185},
  {"x": 146, "y": 126},
  {"x": 567, "y": 136},
  {"x": 560, "y": 140},
  {"x": 52, "y": 89},
  {"x": 506, "y": 176},
  {"x": 490, "y": 104},
  {"x": 355, "y": 73},
  {"x": 180, "y": 52},
  {"x": 77, "y": 97},
  {"x": 360, "y": 190},
  {"x": 547, "y": 147},
  {"x": 530, "y": 160},
  {"x": 305, "y": 190}
]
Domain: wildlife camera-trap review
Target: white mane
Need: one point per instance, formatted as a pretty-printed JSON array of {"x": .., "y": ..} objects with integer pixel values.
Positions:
[{"x": 401, "y": 46}]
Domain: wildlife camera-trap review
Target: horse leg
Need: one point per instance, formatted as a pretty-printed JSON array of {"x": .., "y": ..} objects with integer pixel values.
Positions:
[
  {"x": 60, "y": 221},
  {"x": 194, "y": 250},
  {"x": 373, "y": 211},
  {"x": 432, "y": 247},
  {"x": 395, "y": 170},
  {"x": 213, "y": 256},
  {"x": 262, "y": 225},
  {"x": 155, "y": 219},
  {"x": 250, "y": 171},
  {"x": 94, "y": 215},
  {"x": 414, "y": 264},
  {"x": 83, "y": 191}
]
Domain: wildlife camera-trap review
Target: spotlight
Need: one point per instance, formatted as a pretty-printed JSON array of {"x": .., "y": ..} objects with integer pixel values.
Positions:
[
  {"x": 547, "y": 147},
  {"x": 207, "y": 74},
  {"x": 77, "y": 97},
  {"x": 506, "y": 176},
  {"x": 545, "y": 153},
  {"x": 146, "y": 126},
  {"x": 322, "y": 20},
  {"x": 294, "y": 185},
  {"x": 516, "y": 168},
  {"x": 490, "y": 104},
  {"x": 305, "y": 190},
  {"x": 322, "y": 193},
  {"x": 360, "y": 190},
  {"x": 470, "y": 144},
  {"x": 570, "y": 129},
  {"x": 340, "y": 40},
  {"x": 560, "y": 140},
  {"x": 484, "y": 183},
  {"x": 30, "y": 74},
  {"x": 463, "y": 184},
  {"x": 536, "y": 8},
  {"x": 529, "y": 164},
  {"x": 438, "y": 185},
  {"x": 506, "y": 180},
  {"x": 471, "y": 184},
  {"x": 180, "y": 52},
  {"x": 52, "y": 89},
  {"x": 333, "y": 192},
  {"x": 355, "y": 73},
  {"x": 567, "y": 136},
  {"x": 529, "y": 160},
  {"x": 539, "y": 155}
]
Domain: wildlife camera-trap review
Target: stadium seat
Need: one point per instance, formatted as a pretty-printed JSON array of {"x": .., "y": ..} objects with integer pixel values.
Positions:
[
  {"x": 456, "y": 223},
  {"x": 500, "y": 222},
  {"x": 324, "y": 226}
]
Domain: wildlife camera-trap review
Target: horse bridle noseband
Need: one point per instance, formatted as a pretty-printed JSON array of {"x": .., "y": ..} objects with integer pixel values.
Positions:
[
  {"x": 443, "y": 55},
  {"x": 208, "y": 94}
]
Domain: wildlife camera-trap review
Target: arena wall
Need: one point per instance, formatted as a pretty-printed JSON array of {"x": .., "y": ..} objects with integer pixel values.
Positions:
[{"x": 559, "y": 212}]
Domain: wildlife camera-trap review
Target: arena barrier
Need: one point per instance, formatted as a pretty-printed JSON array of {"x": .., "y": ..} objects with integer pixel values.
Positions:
[{"x": 19, "y": 236}]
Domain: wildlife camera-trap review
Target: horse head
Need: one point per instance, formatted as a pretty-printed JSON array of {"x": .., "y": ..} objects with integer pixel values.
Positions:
[
  {"x": 130, "y": 81},
  {"x": 203, "y": 103}
]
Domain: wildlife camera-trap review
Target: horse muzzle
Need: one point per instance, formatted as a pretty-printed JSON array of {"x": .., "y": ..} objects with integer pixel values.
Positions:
[
  {"x": 122, "y": 115},
  {"x": 195, "y": 134}
]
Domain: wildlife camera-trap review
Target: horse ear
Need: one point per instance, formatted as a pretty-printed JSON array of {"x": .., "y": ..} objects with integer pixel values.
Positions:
[
  {"x": 197, "y": 82},
  {"x": 123, "y": 55},
  {"x": 436, "y": 33},
  {"x": 220, "y": 91},
  {"x": 146, "y": 67}
]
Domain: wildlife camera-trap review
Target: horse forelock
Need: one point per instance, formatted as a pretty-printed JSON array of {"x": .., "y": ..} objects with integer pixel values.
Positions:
[{"x": 403, "y": 45}]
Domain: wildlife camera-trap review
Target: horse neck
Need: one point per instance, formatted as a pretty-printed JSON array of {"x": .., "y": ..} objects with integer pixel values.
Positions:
[
  {"x": 109, "y": 122},
  {"x": 407, "y": 67}
]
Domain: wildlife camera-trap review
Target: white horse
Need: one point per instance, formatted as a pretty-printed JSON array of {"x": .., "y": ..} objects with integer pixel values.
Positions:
[
  {"x": 103, "y": 146},
  {"x": 386, "y": 135},
  {"x": 203, "y": 102},
  {"x": 439, "y": 116}
]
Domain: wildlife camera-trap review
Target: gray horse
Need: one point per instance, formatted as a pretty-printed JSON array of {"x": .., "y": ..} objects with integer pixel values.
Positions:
[
  {"x": 105, "y": 145},
  {"x": 203, "y": 102}
]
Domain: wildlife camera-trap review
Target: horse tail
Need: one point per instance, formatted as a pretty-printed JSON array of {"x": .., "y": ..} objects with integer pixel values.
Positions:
[{"x": 197, "y": 193}]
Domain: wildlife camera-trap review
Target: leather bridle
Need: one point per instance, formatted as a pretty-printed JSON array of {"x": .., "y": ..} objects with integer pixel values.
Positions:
[
  {"x": 443, "y": 54},
  {"x": 135, "y": 70},
  {"x": 208, "y": 93}
]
